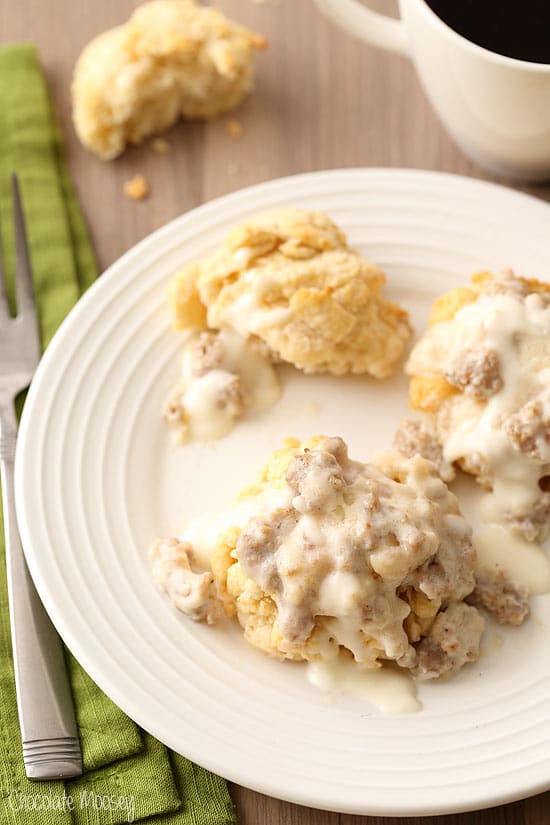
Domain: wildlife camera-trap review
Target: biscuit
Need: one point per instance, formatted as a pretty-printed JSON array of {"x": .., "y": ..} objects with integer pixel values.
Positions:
[
  {"x": 289, "y": 278},
  {"x": 480, "y": 374},
  {"x": 389, "y": 589},
  {"x": 172, "y": 59}
]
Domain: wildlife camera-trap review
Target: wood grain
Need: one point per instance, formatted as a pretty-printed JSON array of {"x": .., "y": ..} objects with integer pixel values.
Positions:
[{"x": 322, "y": 100}]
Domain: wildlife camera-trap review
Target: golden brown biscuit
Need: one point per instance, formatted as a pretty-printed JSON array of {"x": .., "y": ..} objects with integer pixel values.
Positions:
[
  {"x": 290, "y": 279},
  {"x": 172, "y": 59}
]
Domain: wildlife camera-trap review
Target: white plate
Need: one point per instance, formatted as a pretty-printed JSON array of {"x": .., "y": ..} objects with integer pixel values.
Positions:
[{"x": 97, "y": 480}]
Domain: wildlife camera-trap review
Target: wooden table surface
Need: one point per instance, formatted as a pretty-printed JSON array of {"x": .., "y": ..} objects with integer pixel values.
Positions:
[{"x": 322, "y": 101}]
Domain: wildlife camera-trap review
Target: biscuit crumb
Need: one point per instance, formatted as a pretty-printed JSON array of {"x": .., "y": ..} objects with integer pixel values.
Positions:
[
  {"x": 234, "y": 128},
  {"x": 259, "y": 41},
  {"x": 137, "y": 188},
  {"x": 160, "y": 146}
]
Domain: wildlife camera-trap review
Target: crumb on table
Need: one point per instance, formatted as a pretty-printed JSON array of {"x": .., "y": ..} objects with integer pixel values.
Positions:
[
  {"x": 136, "y": 188},
  {"x": 160, "y": 146},
  {"x": 234, "y": 128}
]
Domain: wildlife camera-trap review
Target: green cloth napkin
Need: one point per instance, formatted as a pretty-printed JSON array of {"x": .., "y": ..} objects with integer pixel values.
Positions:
[{"x": 129, "y": 776}]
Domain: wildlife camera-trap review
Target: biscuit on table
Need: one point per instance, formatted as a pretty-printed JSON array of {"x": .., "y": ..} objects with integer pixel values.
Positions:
[{"x": 172, "y": 59}]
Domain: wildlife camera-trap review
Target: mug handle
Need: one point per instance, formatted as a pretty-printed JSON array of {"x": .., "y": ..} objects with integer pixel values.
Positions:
[{"x": 370, "y": 26}]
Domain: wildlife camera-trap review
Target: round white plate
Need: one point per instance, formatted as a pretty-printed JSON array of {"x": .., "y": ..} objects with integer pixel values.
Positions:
[{"x": 97, "y": 480}]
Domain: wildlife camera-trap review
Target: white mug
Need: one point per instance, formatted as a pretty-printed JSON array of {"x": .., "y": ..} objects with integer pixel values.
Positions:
[{"x": 496, "y": 108}]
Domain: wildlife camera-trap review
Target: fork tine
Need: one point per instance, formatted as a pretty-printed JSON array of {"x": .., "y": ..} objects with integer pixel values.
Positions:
[
  {"x": 23, "y": 287},
  {"x": 4, "y": 305}
]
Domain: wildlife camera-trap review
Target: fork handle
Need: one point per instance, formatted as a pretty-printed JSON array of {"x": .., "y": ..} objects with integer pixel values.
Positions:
[{"x": 51, "y": 747}]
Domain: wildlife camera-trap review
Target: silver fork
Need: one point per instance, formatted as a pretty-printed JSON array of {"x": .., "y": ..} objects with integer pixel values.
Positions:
[{"x": 51, "y": 748}]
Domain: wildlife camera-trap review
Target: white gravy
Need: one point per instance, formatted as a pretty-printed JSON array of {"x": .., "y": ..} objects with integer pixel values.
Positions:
[
  {"x": 508, "y": 326},
  {"x": 389, "y": 689},
  {"x": 200, "y": 396},
  {"x": 249, "y": 314},
  {"x": 521, "y": 561},
  {"x": 205, "y": 532}
]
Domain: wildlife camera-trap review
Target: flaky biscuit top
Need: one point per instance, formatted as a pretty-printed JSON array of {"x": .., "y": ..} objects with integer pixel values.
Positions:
[{"x": 290, "y": 279}]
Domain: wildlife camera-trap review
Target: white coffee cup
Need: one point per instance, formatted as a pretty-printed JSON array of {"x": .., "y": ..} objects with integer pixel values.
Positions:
[{"x": 496, "y": 108}]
